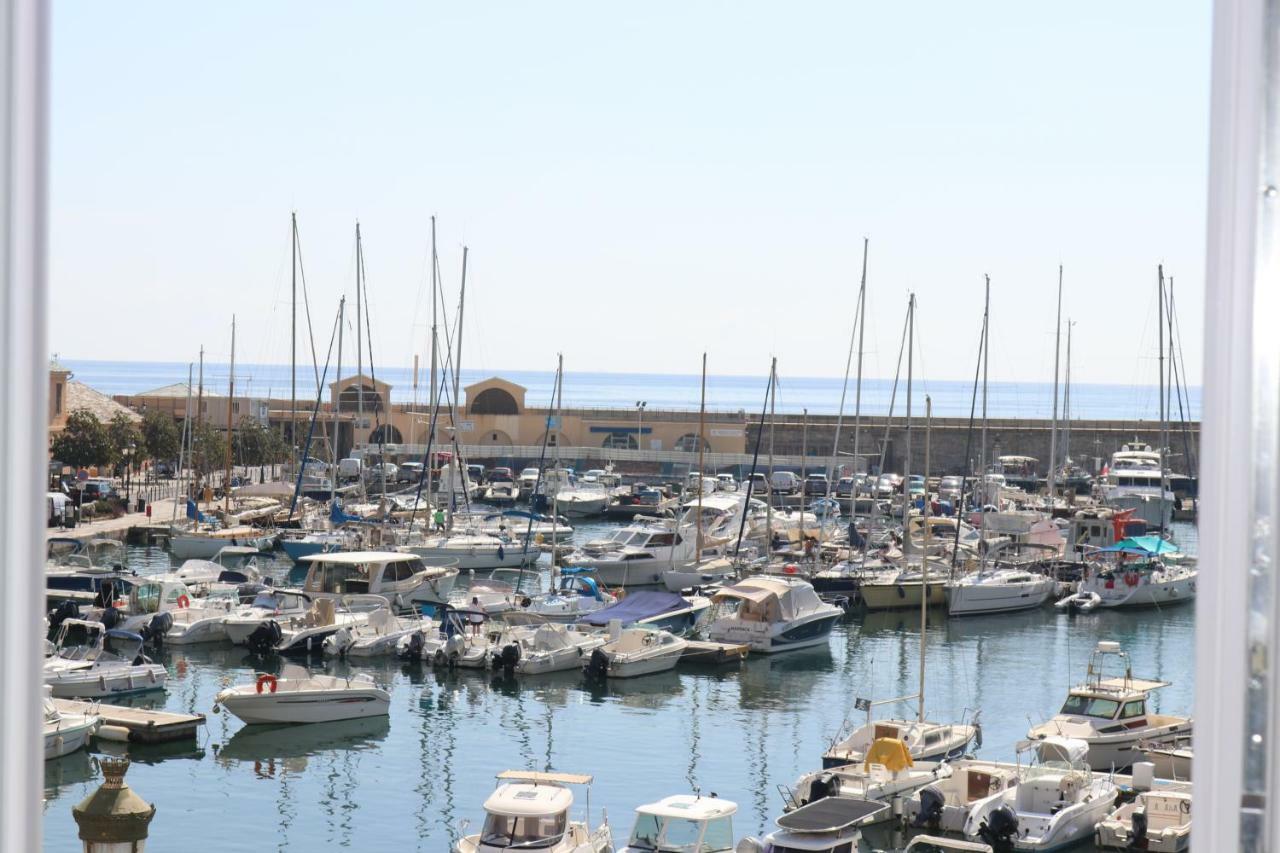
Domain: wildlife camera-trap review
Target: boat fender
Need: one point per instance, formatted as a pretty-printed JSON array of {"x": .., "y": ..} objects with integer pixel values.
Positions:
[
  {"x": 183, "y": 602},
  {"x": 120, "y": 734}
]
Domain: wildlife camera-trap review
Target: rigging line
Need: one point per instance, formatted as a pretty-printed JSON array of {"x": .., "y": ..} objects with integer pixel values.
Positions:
[
  {"x": 844, "y": 390},
  {"x": 884, "y": 445},
  {"x": 1177, "y": 329},
  {"x": 542, "y": 458},
  {"x": 755, "y": 460},
  {"x": 968, "y": 441},
  {"x": 315, "y": 412},
  {"x": 306, "y": 304}
]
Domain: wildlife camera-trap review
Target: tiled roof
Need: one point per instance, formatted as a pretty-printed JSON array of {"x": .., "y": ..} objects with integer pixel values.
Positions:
[{"x": 81, "y": 396}]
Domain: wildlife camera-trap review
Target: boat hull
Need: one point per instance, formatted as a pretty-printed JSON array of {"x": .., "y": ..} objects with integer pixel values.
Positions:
[
  {"x": 764, "y": 638},
  {"x": 69, "y": 735},
  {"x": 887, "y": 596},
  {"x": 976, "y": 599},
  {"x": 307, "y": 706}
]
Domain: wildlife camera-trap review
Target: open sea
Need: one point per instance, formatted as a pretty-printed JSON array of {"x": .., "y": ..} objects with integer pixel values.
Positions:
[
  {"x": 677, "y": 391},
  {"x": 404, "y": 783}
]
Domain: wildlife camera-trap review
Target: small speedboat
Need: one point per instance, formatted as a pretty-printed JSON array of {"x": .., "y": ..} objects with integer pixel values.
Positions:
[
  {"x": 631, "y": 652},
  {"x": 380, "y": 635},
  {"x": 462, "y": 638},
  {"x": 64, "y": 733},
  {"x": 887, "y": 774},
  {"x": 532, "y": 649},
  {"x": 945, "y": 805},
  {"x": 688, "y": 823},
  {"x": 297, "y": 696},
  {"x": 1158, "y": 820},
  {"x": 652, "y": 609},
  {"x": 530, "y": 811},
  {"x": 269, "y": 604},
  {"x": 577, "y": 594},
  {"x": 305, "y": 634},
  {"x": 93, "y": 661},
  {"x": 924, "y": 740}
]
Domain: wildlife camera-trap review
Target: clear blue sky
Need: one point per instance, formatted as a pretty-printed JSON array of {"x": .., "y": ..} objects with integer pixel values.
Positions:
[{"x": 637, "y": 183}]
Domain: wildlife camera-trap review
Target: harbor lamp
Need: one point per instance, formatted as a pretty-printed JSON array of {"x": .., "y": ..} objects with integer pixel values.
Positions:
[
  {"x": 640, "y": 404},
  {"x": 113, "y": 819}
]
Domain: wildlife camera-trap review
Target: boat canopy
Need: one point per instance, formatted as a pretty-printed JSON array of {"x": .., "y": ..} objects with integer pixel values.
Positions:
[
  {"x": 636, "y": 606},
  {"x": 1146, "y": 546},
  {"x": 535, "y": 777},
  {"x": 772, "y": 599},
  {"x": 1057, "y": 748}
]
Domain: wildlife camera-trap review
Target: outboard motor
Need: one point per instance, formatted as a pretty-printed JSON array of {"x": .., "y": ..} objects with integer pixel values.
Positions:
[
  {"x": 508, "y": 658},
  {"x": 598, "y": 665},
  {"x": 1138, "y": 832},
  {"x": 931, "y": 802},
  {"x": 822, "y": 787},
  {"x": 264, "y": 638},
  {"x": 413, "y": 651},
  {"x": 111, "y": 618},
  {"x": 999, "y": 829},
  {"x": 153, "y": 633},
  {"x": 64, "y": 611}
]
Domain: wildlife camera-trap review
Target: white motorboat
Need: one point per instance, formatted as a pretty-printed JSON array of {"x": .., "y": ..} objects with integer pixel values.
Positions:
[
  {"x": 530, "y": 811},
  {"x": 632, "y": 652},
  {"x": 93, "y": 662},
  {"x": 1141, "y": 571},
  {"x": 1157, "y": 820},
  {"x": 1058, "y": 801},
  {"x": 269, "y": 604},
  {"x": 945, "y": 805},
  {"x": 640, "y": 553},
  {"x": 1135, "y": 480},
  {"x": 462, "y": 638},
  {"x": 403, "y": 579},
  {"x": 997, "y": 591},
  {"x": 887, "y": 774},
  {"x": 473, "y": 550},
  {"x": 1109, "y": 714},
  {"x": 830, "y": 825},
  {"x": 305, "y": 634},
  {"x": 699, "y": 574},
  {"x": 297, "y": 696},
  {"x": 773, "y": 614},
  {"x": 685, "y": 823},
  {"x": 64, "y": 733},
  {"x": 577, "y": 593},
  {"x": 378, "y": 636},
  {"x": 539, "y": 647},
  {"x": 1171, "y": 759},
  {"x": 501, "y": 492},
  {"x": 582, "y": 500}
]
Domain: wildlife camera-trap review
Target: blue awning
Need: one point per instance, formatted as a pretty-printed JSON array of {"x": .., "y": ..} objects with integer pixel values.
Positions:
[
  {"x": 1145, "y": 546},
  {"x": 636, "y": 606}
]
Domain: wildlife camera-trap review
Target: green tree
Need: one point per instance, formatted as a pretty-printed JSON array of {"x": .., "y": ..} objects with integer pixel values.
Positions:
[
  {"x": 161, "y": 436},
  {"x": 83, "y": 442},
  {"x": 127, "y": 443},
  {"x": 208, "y": 449},
  {"x": 256, "y": 444}
]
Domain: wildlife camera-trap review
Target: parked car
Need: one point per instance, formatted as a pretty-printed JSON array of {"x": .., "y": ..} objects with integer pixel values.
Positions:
[
  {"x": 726, "y": 483},
  {"x": 475, "y": 473},
  {"x": 846, "y": 487},
  {"x": 97, "y": 490},
  {"x": 816, "y": 484},
  {"x": 501, "y": 475},
  {"x": 758, "y": 482},
  {"x": 785, "y": 482},
  {"x": 949, "y": 488},
  {"x": 410, "y": 472},
  {"x": 350, "y": 469},
  {"x": 164, "y": 470},
  {"x": 887, "y": 485}
]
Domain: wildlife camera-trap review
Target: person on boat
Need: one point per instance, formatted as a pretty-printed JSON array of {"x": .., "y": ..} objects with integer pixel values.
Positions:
[
  {"x": 475, "y": 617},
  {"x": 440, "y": 520}
]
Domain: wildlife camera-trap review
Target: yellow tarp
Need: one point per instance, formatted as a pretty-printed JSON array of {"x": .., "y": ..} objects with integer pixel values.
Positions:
[{"x": 890, "y": 752}]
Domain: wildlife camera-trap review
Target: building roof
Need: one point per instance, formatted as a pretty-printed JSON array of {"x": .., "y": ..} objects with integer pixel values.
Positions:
[
  {"x": 105, "y": 409},
  {"x": 177, "y": 389},
  {"x": 56, "y": 366}
]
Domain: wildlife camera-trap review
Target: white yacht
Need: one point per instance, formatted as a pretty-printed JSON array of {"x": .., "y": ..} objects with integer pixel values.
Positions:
[
  {"x": 1001, "y": 590},
  {"x": 638, "y": 554},
  {"x": 1135, "y": 480},
  {"x": 687, "y": 823},
  {"x": 401, "y": 578},
  {"x": 631, "y": 652},
  {"x": 1058, "y": 801},
  {"x": 773, "y": 614},
  {"x": 1109, "y": 713},
  {"x": 582, "y": 500},
  {"x": 297, "y": 696},
  {"x": 530, "y": 811}
]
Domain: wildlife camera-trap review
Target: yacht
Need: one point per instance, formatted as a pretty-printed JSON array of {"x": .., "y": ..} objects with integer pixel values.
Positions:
[
  {"x": 638, "y": 554},
  {"x": 92, "y": 662},
  {"x": 64, "y": 733},
  {"x": 1141, "y": 571},
  {"x": 401, "y": 578},
  {"x": 297, "y": 696},
  {"x": 630, "y": 652},
  {"x": 1020, "y": 473},
  {"x": 1135, "y": 480},
  {"x": 1109, "y": 713},
  {"x": 582, "y": 500},
  {"x": 773, "y": 614},
  {"x": 1058, "y": 801},
  {"x": 530, "y": 811},
  {"x": 687, "y": 823},
  {"x": 999, "y": 591},
  {"x": 668, "y": 611},
  {"x": 473, "y": 550},
  {"x": 501, "y": 492}
]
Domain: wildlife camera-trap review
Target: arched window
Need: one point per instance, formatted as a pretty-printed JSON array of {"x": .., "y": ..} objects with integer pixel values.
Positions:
[
  {"x": 689, "y": 443},
  {"x": 386, "y": 434},
  {"x": 620, "y": 441},
  {"x": 350, "y": 399},
  {"x": 494, "y": 401}
]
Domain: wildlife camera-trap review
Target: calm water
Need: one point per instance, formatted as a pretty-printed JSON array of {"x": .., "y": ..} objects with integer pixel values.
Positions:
[
  {"x": 404, "y": 783},
  {"x": 664, "y": 391}
]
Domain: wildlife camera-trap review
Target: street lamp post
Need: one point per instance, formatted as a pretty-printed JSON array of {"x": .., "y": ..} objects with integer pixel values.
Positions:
[{"x": 640, "y": 404}]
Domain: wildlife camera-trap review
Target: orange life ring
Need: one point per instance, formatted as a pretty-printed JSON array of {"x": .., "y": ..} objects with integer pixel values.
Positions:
[
  {"x": 184, "y": 602},
  {"x": 789, "y": 569},
  {"x": 267, "y": 680}
]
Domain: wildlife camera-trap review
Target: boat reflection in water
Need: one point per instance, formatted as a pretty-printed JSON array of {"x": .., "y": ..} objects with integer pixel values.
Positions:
[
  {"x": 285, "y": 749},
  {"x": 62, "y": 774}
]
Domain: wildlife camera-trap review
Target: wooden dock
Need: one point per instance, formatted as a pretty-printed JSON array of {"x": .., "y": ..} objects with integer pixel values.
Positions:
[
  {"x": 708, "y": 652},
  {"x": 144, "y": 726}
]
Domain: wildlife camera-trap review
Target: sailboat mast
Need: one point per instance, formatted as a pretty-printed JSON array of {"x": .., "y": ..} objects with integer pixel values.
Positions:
[
  {"x": 1163, "y": 419},
  {"x": 337, "y": 404},
  {"x": 231, "y": 395},
  {"x": 433, "y": 393},
  {"x": 1066, "y": 401},
  {"x": 906, "y": 463},
  {"x": 200, "y": 391},
  {"x": 359, "y": 337},
  {"x": 773, "y": 418},
  {"x": 462, "y": 304},
  {"x": 293, "y": 338},
  {"x": 702, "y": 442},
  {"x": 185, "y": 473},
  {"x": 928, "y": 542},
  {"x": 1053, "y": 427},
  {"x": 982, "y": 465},
  {"x": 857, "y": 394}
]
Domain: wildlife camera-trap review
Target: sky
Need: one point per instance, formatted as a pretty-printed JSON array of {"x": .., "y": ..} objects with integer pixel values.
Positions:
[{"x": 637, "y": 184}]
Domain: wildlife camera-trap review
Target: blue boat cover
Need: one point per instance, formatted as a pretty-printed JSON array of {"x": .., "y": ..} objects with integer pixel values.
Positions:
[
  {"x": 1142, "y": 545},
  {"x": 337, "y": 516},
  {"x": 636, "y": 606},
  {"x": 196, "y": 515}
]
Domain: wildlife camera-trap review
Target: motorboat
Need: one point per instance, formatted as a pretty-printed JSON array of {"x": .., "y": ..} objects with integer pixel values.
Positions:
[
  {"x": 904, "y": 588},
  {"x": 404, "y": 579},
  {"x": 64, "y": 733},
  {"x": 305, "y": 634},
  {"x": 378, "y": 636},
  {"x": 1171, "y": 759},
  {"x": 945, "y": 805},
  {"x": 773, "y": 614},
  {"x": 93, "y": 661},
  {"x": 577, "y": 593},
  {"x": 689, "y": 823},
  {"x": 1135, "y": 480},
  {"x": 233, "y": 564},
  {"x": 638, "y": 554},
  {"x": 631, "y": 652},
  {"x": 582, "y": 500},
  {"x": 268, "y": 604},
  {"x": 924, "y": 740},
  {"x": 829, "y": 825},
  {"x": 527, "y": 481},
  {"x": 501, "y": 492},
  {"x": 502, "y": 591},
  {"x": 1058, "y": 801},
  {"x": 1019, "y": 472},
  {"x": 461, "y": 638},
  {"x": 473, "y": 550},
  {"x": 1000, "y": 590},
  {"x": 517, "y": 525},
  {"x": 297, "y": 696},
  {"x": 1156, "y": 820},
  {"x": 886, "y": 774},
  {"x": 1140, "y": 571},
  {"x": 652, "y": 609},
  {"x": 1109, "y": 713},
  {"x": 312, "y": 542},
  {"x": 942, "y": 844},
  {"x": 536, "y": 647},
  {"x": 699, "y": 574},
  {"x": 640, "y": 499},
  {"x": 202, "y": 538},
  {"x": 530, "y": 811}
]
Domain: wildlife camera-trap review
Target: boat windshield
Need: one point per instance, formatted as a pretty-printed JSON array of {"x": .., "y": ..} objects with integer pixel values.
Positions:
[
  {"x": 528, "y": 831},
  {"x": 681, "y": 835},
  {"x": 1091, "y": 706}
]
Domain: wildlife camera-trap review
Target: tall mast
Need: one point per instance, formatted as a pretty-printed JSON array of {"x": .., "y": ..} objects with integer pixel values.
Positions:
[
  {"x": 200, "y": 391},
  {"x": 359, "y": 338},
  {"x": 982, "y": 465},
  {"x": 337, "y": 404},
  {"x": 928, "y": 542},
  {"x": 293, "y": 338},
  {"x": 231, "y": 395},
  {"x": 462, "y": 303},
  {"x": 773, "y": 412},
  {"x": 906, "y": 464},
  {"x": 857, "y": 395},
  {"x": 1066, "y": 401},
  {"x": 1053, "y": 427},
  {"x": 186, "y": 473},
  {"x": 1163, "y": 419},
  {"x": 702, "y": 441},
  {"x": 433, "y": 392}
]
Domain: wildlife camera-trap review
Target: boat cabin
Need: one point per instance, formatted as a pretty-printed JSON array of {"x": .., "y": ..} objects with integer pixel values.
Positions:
[
  {"x": 574, "y": 581},
  {"x": 1117, "y": 699},
  {"x": 365, "y": 572},
  {"x": 690, "y": 824},
  {"x": 530, "y": 811}
]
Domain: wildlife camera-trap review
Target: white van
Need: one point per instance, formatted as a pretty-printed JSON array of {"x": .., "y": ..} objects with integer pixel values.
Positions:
[
  {"x": 350, "y": 469},
  {"x": 785, "y": 482}
]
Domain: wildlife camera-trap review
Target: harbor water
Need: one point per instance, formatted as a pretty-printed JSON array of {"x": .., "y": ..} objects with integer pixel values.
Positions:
[{"x": 406, "y": 782}]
